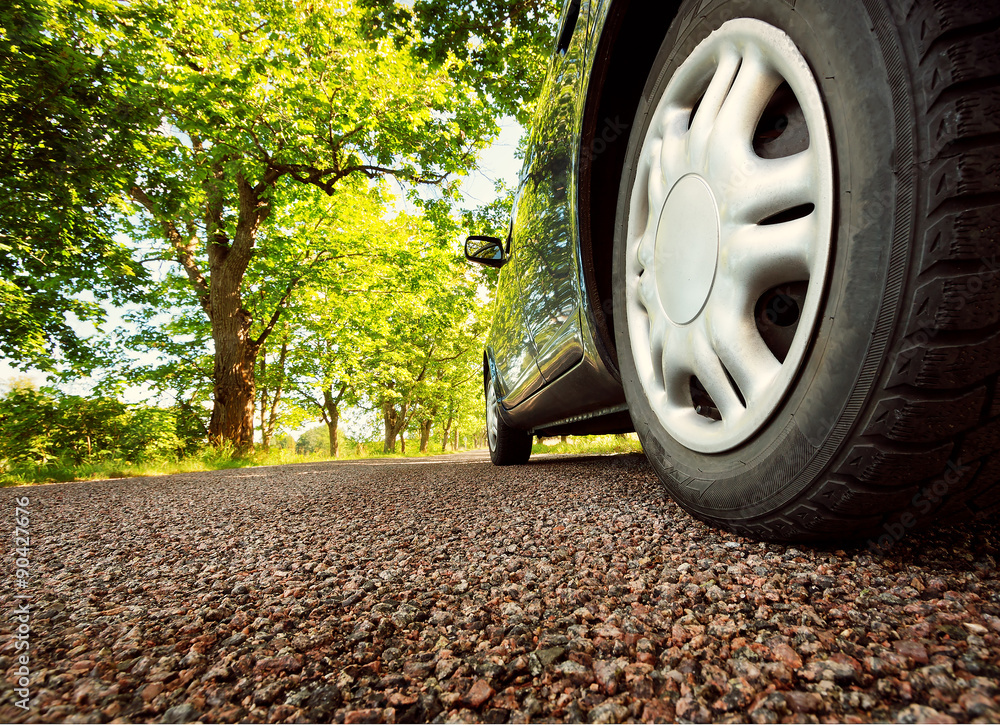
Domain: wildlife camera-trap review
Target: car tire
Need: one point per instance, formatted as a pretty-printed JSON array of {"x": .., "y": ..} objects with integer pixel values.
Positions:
[
  {"x": 508, "y": 446},
  {"x": 882, "y": 413}
]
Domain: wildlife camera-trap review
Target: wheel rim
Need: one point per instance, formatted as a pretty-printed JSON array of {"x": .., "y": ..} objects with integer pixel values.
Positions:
[
  {"x": 491, "y": 415},
  {"x": 728, "y": 235}
]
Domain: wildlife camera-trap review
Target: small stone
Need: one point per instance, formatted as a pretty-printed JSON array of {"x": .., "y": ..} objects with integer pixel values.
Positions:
[
  {"x": 235, "y": 640},
  {"x": 778, "y": 671},
  {"x": 182, "y": 713},
  {"x": 976, "y": 704},
  {"x": 737, "y": 696},
  {"x": 922, "y": 714},
  {"x": 419, "y": 670},
  {"x": 912, "y": 650},
  {"x": 479, "y": 693},
  {"x": 690, "y": 709},
  {"x": 575, "y": 672},
  {"x": 268, "y": 694},
  {"x": 444, "y": 668},
  {"x": 368, "y": 715},
  {"x": 608, "y": 673},
  {"x": 217, "y": 673},
  {"x": 608, "y": 712},
  {"x": 803, "y": 702},
  {"x": 540, "y": 659},
  {"x": 715, "y": 593},
  {"x": 510, "y": 610},
  {"x": 85, "y": 694},
  {"x": 785, "y": 654},
  {"x": 506, "y": 700},
  {"x": 658, "y": 711},
  {"x": 322, "y": 703},
  {"x": 278, "y": 665},
  {"x": 401, "y": 699}
]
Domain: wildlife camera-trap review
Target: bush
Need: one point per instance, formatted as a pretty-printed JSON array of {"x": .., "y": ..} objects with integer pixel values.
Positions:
[{"x": 48, "y": 428}]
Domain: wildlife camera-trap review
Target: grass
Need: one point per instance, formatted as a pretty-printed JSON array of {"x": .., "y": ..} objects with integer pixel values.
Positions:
[
  {"x": 592, "y": 445},
  {"x": 212, "y": 459}
]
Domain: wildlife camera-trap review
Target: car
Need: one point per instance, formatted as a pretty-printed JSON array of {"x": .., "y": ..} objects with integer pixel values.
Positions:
[{"x": 763, "y": 234}]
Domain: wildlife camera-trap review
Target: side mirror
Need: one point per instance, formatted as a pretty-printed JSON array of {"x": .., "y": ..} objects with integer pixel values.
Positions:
[{"x": 485, "y": 250}]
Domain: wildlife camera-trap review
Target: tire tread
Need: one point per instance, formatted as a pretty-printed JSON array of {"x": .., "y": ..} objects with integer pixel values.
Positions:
[{"x": 929, "y": 449}]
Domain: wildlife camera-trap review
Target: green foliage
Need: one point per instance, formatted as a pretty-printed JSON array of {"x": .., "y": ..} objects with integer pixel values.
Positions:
[
  {"x": 589, "y": 445},
  {"x": 503, "y": 46},
  {"x": 241, "y": 147},
  {"x": 46, "y": 427},
  {"x": 68, "y": 135},
  {"x": 167, "y": 354},
  {"x": 314, "y": 440}
]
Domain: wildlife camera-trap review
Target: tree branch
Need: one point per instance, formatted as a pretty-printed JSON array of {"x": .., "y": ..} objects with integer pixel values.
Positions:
[
  {"x": 289, "y": 288},
  {"x": 252, "y": 212},
  {"x": 184, "y": 249}
]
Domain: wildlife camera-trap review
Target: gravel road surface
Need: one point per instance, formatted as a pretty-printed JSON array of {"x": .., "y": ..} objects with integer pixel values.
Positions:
[{"x": 569, "y": 589}]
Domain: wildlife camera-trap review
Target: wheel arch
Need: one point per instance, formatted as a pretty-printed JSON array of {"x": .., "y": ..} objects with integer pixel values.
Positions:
[{"x": 631, "y": 36}]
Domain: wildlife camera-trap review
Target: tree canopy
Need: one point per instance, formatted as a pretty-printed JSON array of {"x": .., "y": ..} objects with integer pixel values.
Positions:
[
  {"x": 68, "y": 130},
  {"x": 242, "y": 146}
]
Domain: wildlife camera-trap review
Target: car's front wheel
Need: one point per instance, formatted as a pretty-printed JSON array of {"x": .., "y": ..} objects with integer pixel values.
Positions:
[{"x": 806, "y": 296}]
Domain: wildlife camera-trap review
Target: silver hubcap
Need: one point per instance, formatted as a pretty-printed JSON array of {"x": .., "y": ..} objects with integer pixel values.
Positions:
[
  {"x": 728, "y": 236},
  {"x": 491, "y": 415}
]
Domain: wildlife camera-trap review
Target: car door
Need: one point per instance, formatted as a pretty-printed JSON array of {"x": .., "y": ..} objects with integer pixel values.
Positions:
[
  {"x": 513, "y": 349},
  {"x": 545, "y": 224}
]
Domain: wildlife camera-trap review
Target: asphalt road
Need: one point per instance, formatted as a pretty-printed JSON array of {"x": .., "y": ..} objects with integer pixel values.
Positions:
[{"x": 445, "y": 589}]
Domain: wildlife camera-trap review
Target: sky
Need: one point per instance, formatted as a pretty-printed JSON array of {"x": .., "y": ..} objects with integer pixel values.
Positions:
[{"x": 496, "y": 162}]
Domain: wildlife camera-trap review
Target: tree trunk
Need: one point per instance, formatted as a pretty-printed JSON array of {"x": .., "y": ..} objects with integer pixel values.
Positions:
[
  {"x": 389, "y": 443},
  {"x": 267, "y": 431},
  {"x": 334, "y": 442},
  {"x": 232, "y": 412},
  {"x": 332, "y": 410},
  {"x": 402, "y": 443},
  {"x": 394, "y": 422},
  {"x": 425, "y": 433},
  {"x": 265, "y": 434},
  {"x": 444, "y": 437},
  {"x": 235, "y": 349}
]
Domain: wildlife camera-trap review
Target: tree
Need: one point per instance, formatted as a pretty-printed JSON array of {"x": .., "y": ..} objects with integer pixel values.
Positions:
[
  {"x": 271, "y": 378},
  {"x": 327, "y": 329},
  {"x": 339, "y": 315},
  {"x": 165, "y": 350},
  {"x": 311, "y": 441},
  {"x": 302, "y": 96},
  {"x": 503, "y": 45},
  {"x": 215, "y": 118},
  {"x": 68, "y": 136},
  {"x": 424, "y": 336},
  {"x": 40, "y": 426},
  {"x": 255, "y": 106}
]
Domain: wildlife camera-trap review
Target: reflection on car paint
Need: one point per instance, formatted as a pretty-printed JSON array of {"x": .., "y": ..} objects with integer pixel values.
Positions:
[
  {"x": 545, "y": 225},
  {"x": 513, "y": 350}
]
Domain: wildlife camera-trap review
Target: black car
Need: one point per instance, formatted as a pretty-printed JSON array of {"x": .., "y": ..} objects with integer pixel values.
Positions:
[{"x": 763, "y": 234}]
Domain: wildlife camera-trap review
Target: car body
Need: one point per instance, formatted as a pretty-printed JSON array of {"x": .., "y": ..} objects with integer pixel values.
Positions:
[
  {"x": 549, "y": 346},
  {"x": 760, "y": 234}
]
